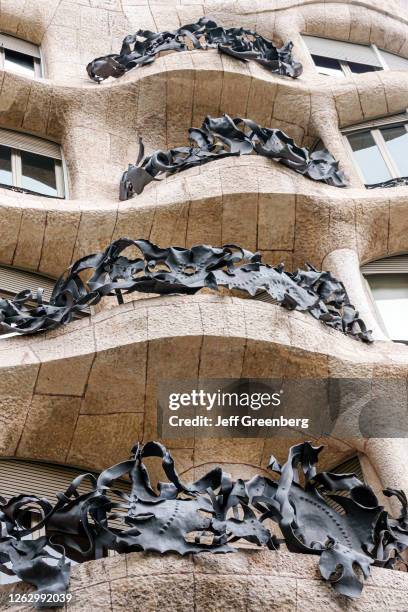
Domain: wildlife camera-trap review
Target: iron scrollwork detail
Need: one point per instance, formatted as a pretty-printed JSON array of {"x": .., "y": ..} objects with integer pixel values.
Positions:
[
  {"x": 143, "y": 47},
  {"x": 208, "y": 515},
  {"x": 176, "y": 270},
  {"x": 224, "y": 136}
]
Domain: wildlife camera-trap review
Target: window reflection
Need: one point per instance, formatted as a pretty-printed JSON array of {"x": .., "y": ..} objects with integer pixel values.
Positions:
[
  {"x": 19, "y": 62},
  {"x": 357, "y": 68},
  {"x": 328, "y": 66},
  {"x": 369, "y": 158},
  {"x": 38, "y": 173},
  {"x": 396, "y": 139}
]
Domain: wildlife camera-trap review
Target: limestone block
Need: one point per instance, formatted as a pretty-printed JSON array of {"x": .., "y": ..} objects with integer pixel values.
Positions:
[{"x": 49, "y": 428}]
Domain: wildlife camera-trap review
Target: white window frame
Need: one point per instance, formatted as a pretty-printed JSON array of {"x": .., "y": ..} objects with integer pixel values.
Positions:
[
  {"x": 393, "y": 265},
  {"x": 12, "y": 43},
  {"x": 19, "y": 142},
  {"x": 374, "y": 128},
  {"x": 381, "y": 55}
]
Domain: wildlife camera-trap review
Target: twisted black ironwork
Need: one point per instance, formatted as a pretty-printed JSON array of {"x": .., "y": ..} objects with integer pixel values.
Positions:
[
  {"x": 180, "y": 270},
  {"x": 227, "y": 137},
  {"x": 143, "y": 47},
  {"x": 210, "y": 515}
]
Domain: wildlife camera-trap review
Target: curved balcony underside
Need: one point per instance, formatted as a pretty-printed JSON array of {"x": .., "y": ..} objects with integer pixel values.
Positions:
[
  {"x": 249, "y": 201},
  {"x": 58, "y": 402}
]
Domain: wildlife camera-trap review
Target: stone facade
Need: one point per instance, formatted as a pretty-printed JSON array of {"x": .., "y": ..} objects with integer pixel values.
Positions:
[
  {"x": 83, "y": 394},
  {"x": 248, "y": 581}
]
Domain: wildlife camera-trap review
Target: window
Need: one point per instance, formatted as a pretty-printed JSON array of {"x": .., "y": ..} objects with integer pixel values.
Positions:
[
  {"x": 20, "y": 56},
  {"x": 380, "y": 150},
  {"x": 387, "y": 282},
  {"x": 31, "y": 164},
  {"x": 338, "y": 58}
]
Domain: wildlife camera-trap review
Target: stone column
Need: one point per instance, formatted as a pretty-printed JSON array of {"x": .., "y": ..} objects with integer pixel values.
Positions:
[
  {"x": 389, "y": 458},
  {"x": 345, "y": 265}
]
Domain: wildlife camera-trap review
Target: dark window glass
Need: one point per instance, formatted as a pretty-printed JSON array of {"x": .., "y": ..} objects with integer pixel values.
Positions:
[
  {"x": 369, "y": 158},
  {"x": 18, "y": 62},
  {"x": 6, "y": 177},
  {"x": 38, "y": 174},
  {"x": 361, "y": 68},
  {"x": 396, "y": 139},
  {"x": 328, "y": 66}
]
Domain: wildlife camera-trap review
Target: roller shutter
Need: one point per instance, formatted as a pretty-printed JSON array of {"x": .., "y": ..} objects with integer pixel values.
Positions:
[
  {"x": 21, "y": 46},
  {"x": 377, "y": 123},
  {"x": 13, "y": 280},
  {"x": 337, "y": 49},
  {"x": 395, "y": 62},
  {"x": 389, "y": 265},
  {"x": 44, "y": 480},
  {"x": 32, "y": 144},
  {"x": 350, "y": 466}
]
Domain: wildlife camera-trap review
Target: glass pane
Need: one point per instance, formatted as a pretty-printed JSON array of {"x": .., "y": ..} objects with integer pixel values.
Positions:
[
  {"x": 369, "y": 158},
  {"x": 361, "y": 68},
  {"x": 38, "y": 173},
  {"x": 19, "y": 62},
  {"x": 396, "y": 139},
  {"x": 6, "y": 177},
  {"x": 390, "y": 292},
  {"x": 328, "y": 66}
]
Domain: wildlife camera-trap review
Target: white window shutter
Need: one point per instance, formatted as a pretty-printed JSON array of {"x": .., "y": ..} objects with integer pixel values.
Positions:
[
  {"x": 32, "y": 144},
  {"x": 13, "y": 280},
  {"x": 394, "y": 62},
  {"x": 19, "y": 45},
  {"x": 389, "y": 265},
  {"x": 337, "y": 49}
]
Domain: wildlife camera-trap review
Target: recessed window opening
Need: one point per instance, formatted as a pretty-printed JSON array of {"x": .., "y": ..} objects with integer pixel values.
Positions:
[
  {"x": 379, "y": 149},
  {"x": 387, "y": 283},
  {"x": 337, "y": 58},
  {"x": 32, "y": 165},
  {"x": 20, "y": 56}
]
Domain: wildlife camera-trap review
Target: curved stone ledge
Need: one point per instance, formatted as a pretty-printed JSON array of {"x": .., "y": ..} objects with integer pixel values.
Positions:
[
  {"x": 248, "y": 200},
  {"x": 162, "y": 101},
  {"x": 250, "y": 580},
  {"x": 58, "y": 403}
]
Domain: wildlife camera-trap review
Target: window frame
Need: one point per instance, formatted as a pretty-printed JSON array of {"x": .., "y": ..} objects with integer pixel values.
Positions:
[
  {"x": 381, "y": 55},
  {"x": 392, "y": 265},
  {"x": 21, "y": 46},
  {"x": 19, "y": 142},
  {"x": 375, "y": 131}
]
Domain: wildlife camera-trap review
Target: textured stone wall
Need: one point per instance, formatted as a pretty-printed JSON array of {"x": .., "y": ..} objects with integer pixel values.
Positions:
[
  {"x": 59, "y": 386},
  {"x": 250, "y": 581},
  {"x": 82, "y": 395}
]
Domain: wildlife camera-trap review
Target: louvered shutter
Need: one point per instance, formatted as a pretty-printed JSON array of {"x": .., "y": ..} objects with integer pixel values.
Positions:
[
  {"x": 19, "y": 45},
  {"x": 32, "y": 144},
  {"x": 337, "y": 49},
  {"x": 13, "y": 280},
  {"x": 389, "y": 265},
  {"x": 350, "y": 466},
  {"x": 377, "y": 123},
  {"x": 44, "y": 479}
]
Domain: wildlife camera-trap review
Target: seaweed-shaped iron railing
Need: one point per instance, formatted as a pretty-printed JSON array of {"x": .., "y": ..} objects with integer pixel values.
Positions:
[
  {"x": 227, "y": 137},
  {"x": 143, "y": 47},
  {"x": 209, "y": 514},
  {"x": 180, "y": 270}
]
